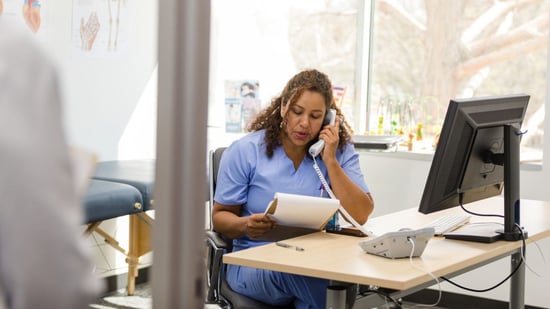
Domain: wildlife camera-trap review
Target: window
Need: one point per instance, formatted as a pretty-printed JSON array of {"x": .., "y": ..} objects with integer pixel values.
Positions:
[
  {"x": 399, "y": 62},
  {"x": 426, "y": 52},
  {"x": 270, "y": 41}
]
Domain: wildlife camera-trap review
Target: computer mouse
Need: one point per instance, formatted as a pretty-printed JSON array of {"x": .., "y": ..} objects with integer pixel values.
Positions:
[{"x": 404, "y": 229}]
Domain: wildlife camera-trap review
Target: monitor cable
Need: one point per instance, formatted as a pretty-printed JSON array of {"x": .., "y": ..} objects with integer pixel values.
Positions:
[
  {"x": 522, "y": 260},
  {"x": 522, "y": 250},
  {"x": 520, "y": 229},
  {"x": 460, "y": 202},
  {"x": 543, "y": 260}
]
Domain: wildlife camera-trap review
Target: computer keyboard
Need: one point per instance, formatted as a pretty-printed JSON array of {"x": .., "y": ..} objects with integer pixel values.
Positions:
[{"x": 448, "y": 223}]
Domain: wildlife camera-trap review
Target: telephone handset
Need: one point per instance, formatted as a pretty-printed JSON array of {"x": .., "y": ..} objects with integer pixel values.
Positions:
[
  {"x": 316, "y": 148},
  {"x": 314, "y": 151}
]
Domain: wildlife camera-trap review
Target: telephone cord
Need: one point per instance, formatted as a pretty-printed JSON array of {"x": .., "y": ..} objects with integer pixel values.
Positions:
[
  {"x": 341, "y": 209},
  {"x": 411, "y": 241}
]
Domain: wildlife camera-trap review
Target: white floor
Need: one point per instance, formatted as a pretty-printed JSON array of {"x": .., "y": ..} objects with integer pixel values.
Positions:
[{"x": 136, "y": 302}]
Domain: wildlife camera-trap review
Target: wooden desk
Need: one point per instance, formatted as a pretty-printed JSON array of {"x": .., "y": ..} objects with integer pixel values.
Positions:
[{"x": 339, "y": 258}]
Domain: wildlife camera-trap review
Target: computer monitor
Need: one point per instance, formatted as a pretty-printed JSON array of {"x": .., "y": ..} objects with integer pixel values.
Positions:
[{"x": 477, "y": 156}]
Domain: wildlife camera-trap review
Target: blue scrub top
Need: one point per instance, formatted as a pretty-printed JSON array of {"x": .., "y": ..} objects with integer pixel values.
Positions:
[{"x": 247, "y": 177}]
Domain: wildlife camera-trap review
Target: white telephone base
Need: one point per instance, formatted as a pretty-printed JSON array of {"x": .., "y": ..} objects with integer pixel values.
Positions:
[{"x": 395, "y": 245}]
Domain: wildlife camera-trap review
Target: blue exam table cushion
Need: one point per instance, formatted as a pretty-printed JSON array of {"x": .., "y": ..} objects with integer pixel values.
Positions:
[
  {"x": 105, "y": 200},
  {"x": 137, "y": 173}
]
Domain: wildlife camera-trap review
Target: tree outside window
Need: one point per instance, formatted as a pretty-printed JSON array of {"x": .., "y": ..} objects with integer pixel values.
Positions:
[{"x": 428, "y": 52}]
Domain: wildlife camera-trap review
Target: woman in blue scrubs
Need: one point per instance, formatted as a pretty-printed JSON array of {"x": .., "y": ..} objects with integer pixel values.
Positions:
[{"x": 274, "y": 158}]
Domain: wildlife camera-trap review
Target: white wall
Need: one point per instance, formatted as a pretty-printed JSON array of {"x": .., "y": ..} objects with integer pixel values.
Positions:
[
  {"x": 102, "y": 93},
  {"x": 397, "y": 182},
  {"x": 110, "y": 99}
]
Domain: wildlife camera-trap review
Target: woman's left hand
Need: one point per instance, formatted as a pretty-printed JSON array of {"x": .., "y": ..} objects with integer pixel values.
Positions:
[{"x": 258, "y": 224}]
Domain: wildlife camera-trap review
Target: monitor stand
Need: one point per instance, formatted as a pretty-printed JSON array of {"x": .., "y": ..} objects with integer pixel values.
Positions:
[
  {"x": 490, "y": 232},
  {"x": 486, "y": 232}
]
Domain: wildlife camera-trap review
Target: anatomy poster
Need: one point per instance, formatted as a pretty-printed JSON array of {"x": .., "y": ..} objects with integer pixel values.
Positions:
[
  {"x": 31, "y": 13},
  {"x": 100, "y": 28}
]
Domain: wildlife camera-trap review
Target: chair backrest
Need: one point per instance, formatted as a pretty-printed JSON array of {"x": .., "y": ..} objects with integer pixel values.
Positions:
[
  {"x": 213, "y": 164},
  {"x": 217, "y": 243}
]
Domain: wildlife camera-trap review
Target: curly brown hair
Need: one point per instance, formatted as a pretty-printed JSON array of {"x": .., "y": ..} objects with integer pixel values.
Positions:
[{"x": 270, "y": 118}]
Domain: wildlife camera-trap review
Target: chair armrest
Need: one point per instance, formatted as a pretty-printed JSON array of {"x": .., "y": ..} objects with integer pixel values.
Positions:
[
  {"x": 217, "y": 245},
  {"x": 217, "y": 241}
]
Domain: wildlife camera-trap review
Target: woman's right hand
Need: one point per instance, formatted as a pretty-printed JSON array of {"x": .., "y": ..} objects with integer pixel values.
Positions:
[{"x": 258, "y": 224}]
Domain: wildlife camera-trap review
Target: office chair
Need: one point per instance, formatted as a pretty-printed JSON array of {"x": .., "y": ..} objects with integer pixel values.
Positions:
[{"x": 218, "y": 290}]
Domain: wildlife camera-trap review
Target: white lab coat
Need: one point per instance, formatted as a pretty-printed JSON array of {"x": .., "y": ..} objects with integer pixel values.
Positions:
[{"x": 44, "y": 261}]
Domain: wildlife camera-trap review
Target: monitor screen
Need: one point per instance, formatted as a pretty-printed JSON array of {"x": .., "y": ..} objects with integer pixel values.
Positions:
[{"x": 471, "y": 136}]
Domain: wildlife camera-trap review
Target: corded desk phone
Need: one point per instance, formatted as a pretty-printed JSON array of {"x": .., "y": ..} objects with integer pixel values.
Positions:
[{"x": 400, "y": 244}]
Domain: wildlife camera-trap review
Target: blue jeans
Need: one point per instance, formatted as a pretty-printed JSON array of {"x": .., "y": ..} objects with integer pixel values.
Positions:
[{"x": 278, "y": 288}]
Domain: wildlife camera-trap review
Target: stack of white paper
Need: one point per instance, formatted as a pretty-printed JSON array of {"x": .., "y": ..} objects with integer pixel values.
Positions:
[{"x": 301, "y": 210}]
